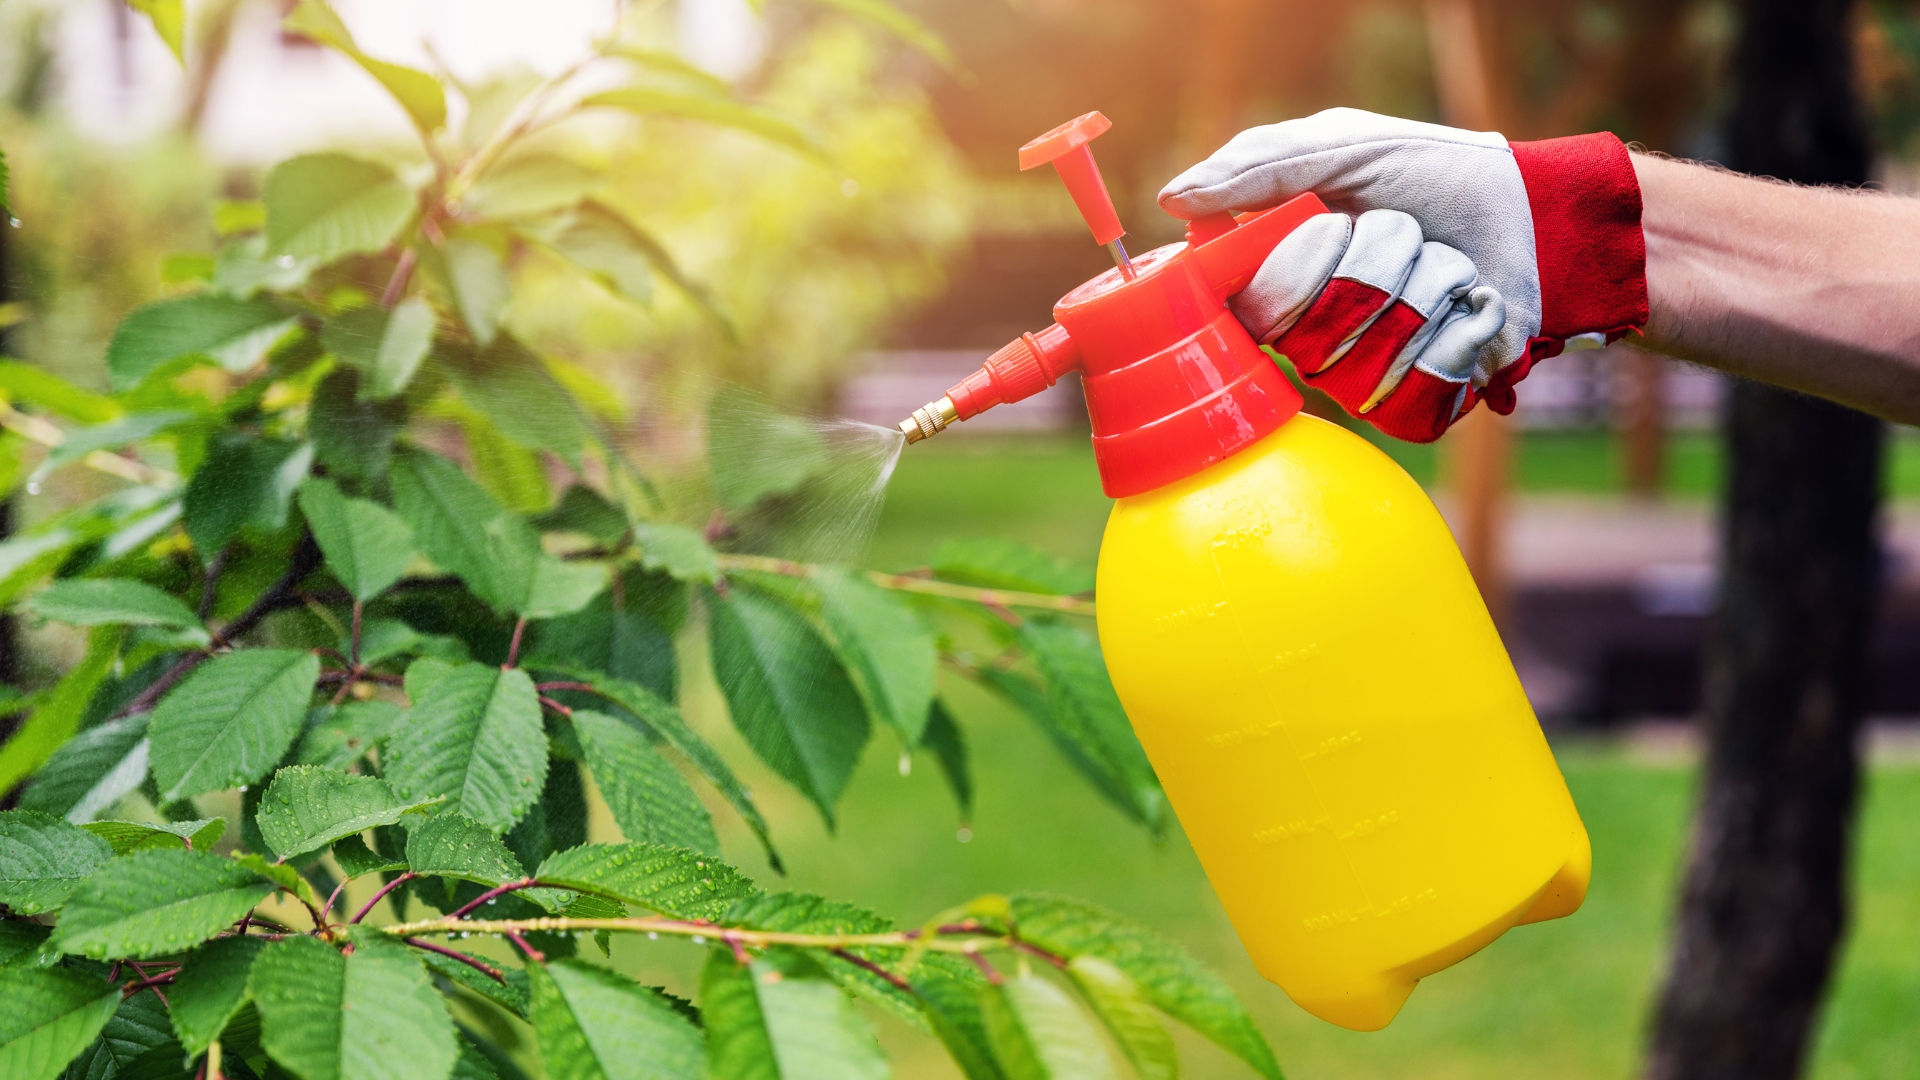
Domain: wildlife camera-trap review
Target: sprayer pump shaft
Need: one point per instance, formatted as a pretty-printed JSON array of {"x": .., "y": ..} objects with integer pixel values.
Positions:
[{"x": 1119, "y": 253}]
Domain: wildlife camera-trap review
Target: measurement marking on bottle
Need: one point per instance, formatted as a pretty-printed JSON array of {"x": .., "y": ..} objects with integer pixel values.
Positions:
[
  {"x": 1228, "y": 739},
  {"x": 1367, "y": 826},
  {"x": 1174, "y": 620},
  {"x": 1291, "y": 656},
  {"x": 1314, "y": 924},
  {"x": 1291, "y": 830},
  {"x": 1245, "y": 534},
  {"x": 1331, "y": 745}
]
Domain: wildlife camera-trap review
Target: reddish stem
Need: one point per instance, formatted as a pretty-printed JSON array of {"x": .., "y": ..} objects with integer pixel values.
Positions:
[
  {"x": 484, "y": 969},
  {"x": 153, "y": 984},
  {"x": 550, "y": 686},
  {"x": 397, "y": 284},
  {"x": 382, "y": 894},
  {"x": 532, "y": 953},
  {"x": 739, "y": 951},
  {"x": 358, "y": 609},
  {"x": 555, "y": 706},
  {"x": 337, "y": 890},
  {"x": 861, "y": 962},
  {"x": 513, "y": 650},
  {"x": 502, "y": 890},
  {"x": 986, "y": 969}
]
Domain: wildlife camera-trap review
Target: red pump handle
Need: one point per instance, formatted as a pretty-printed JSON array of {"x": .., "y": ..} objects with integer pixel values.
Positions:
[{"x": 1067, "y": 147}]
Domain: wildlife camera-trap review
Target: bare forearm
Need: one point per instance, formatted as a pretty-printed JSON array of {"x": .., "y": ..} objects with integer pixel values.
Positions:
[{"x": 1816, "y": 290}]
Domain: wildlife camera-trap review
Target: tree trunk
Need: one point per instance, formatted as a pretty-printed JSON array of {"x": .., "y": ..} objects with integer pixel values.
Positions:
[{"x": 1764, "y": 903}]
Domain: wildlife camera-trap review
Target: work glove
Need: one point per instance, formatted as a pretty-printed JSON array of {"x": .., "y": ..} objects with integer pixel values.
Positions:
[{"x": 1551, "y": 230}]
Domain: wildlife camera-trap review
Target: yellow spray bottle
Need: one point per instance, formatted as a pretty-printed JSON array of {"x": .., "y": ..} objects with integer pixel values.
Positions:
[{"x": 1292, "y": 632}]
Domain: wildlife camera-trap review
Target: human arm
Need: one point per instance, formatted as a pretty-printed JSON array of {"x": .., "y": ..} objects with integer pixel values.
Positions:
[{"x": 1814, "y": 289}]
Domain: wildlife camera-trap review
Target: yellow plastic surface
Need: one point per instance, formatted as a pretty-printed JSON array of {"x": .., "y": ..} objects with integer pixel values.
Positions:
[{"x": 1308, "y": 663}]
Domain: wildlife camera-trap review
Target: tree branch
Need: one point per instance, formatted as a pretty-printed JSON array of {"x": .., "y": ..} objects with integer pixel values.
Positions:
[
  {"x": 990, "y": 598},
  {"x": 972, "y": 941}
]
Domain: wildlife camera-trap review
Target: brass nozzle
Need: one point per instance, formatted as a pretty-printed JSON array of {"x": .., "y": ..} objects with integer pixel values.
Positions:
[{"x": 929, "y": 420}]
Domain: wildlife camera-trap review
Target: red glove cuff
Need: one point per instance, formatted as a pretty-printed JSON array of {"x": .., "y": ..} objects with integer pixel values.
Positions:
[{"x": 1587, "y": 245}]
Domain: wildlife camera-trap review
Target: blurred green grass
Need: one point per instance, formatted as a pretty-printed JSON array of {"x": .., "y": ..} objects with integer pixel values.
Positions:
[{"x": 1567, "y": 999}]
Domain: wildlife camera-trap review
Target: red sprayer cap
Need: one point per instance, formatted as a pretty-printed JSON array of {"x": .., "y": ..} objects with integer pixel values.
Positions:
[
  {"x": 1069, "y": 148},
  {"x": 1174, "y": 383}
]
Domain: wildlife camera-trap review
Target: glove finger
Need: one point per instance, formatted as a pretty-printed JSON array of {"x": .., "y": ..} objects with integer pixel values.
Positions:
[
  {"x": 1380, "y": 356},
  {"x": 1385, "y": 246},
  {"x": 1438, "y": 389},
  {"x": 1292, "y": 276}
]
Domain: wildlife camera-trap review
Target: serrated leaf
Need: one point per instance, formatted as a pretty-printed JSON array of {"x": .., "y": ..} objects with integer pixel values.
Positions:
[
  {"x": 665, "y": 721},
  {"x": 948, "y": 990},
  {"x": 57, "y": 718},
  {"x": 344, "y": 735},
  {"x": 587, "y": 512},
  {"x": 509, "y": 385},
  {"x": 672, "y": 881},
  {"x": 595, "y": 1024},
  {"x": 510, "y": 472},
  {"x": 24, "y": 560},
  {"x": 449, "y": 514},
  {"x": 1129, "y": 1019},
  {"x": 20, "y": 940},
  {"x": 1084, "y": 717},
  {"x": 323, "y": 206},
  {"x": 42, "y": 860},
  {"x": 712, "y": 109},
  {"x": 528, "y": 183},
  {"x": 355, "y": 858},
  {"x": 94, "y": 601},
  {"x": 353, "y": 438},
  {"x": 474, "y": 736},
  {"x": 308, "y": 807},
  {"x": 127, "y": 837},
  {"x": 624, "y": 644},
  {"x": 366, "y": 545},
  {"x": 136, "y": 1044},
  {"x": 948, "y": 745},
  {"x": 234, "y": 333},
  {"x": 648, "y": 797},
  {"x": 370, "y": 1016},
  {"x": 24, "y": 382},
  {"x": 787, "y": 694},
  {"x": 1166, "y": 974},
  {"x": 52, "y": 1015},
  {"x": 169, "y": 18},
  {"x": 417, "y": 92},
  {"x": 385, "y": 345},
  {"x": 91, "y": 771},
  {"x": 282, "y": 875},
  {"x": 231, "y": 720},
  {"x": 781, "y": 1018},
  {"x": 1038, "y": 1033},
  {"x": 754, "y": 450},
  {"x": 606, "y": 247},
  {"x": 561, "y": 588},
  {"x": 210, "y": 989},
  {"x": 557, "y": 822},
  {"x": 155, "y": 902},
  {"x": 883, "y": 644},
  {"x": 1007, "y": 564},
  {"x": 509, "y": 991},
  {"x": 677, "y": 550},
  {"x": 450, "y": 844},
  {"x": 244, "y": 482},
  {"x": 805, "y": 913}
]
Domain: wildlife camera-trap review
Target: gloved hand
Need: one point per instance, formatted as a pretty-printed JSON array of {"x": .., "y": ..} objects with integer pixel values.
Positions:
[{"x": 1552, "y": 228}]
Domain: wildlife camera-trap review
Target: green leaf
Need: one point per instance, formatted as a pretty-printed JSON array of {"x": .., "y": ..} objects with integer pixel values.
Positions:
[
  {"x": 230, "y": 721},
  {"x": 127, "y": 837},
  {"x": 94, "y": 601},
  {"x": 509, "y": 385},
  {"x": 787, "y": 694},
  {"x": 561, "y": 588},
  {"x": 232, "y": 217},
  {"x": 606, "y": 247},
  {"x": 346, "y": 733},
  {"x": 323, "y": 206},
  {"x": 367, "y": 546},
  {"x": 155, "y": 902},
  {"x": 885, "y": 647},
  {"x": 356, "y": 858},
  {"x": 648, "y": 797},
  {"x": 587, "y": 512},
  {"x": 1038, "y": 1033},
  {"x": 674, "y": 882},
  {"x": 666, "y": 722},
  {"x": 210, "y": 989},
  {"x": 625, "y": 644},
  {"x": 169, "y": 19},
  {"x": 475, "y": 271},
  {"x": 113, "y": 435},
  {"x": 528, "y": 183},
  {"x": 136, "y": 1044},
  {"x": 52, "y": 1014},
  {"x": 1087, "y": 716},
  {"x": 24, "y": 560},
  {"x": 43, "y": 858},
  {"x": 236, "y": 334},
  {"x": 476, "y": 737},
  {"x": 1129, "y": 1019},
  {"x": 509, "y": 992},
  {"x": 245, "y": 269},
  {"x": 56, "y": 719},
  {"x": 1165, "y": 973},
  {"x": 449, "y": 514},
  {"x": 595, "y": 1024},
  {"x": 352, "y": 438},
  {"x": 308, "y": 807},
  {"x": 91, "y": 771},
  {"x": 754, "y": 450},
  {"x": 450, "y": 844},
  {"x": 805, "y": 913},
  {"x": 386, "y": 346},
  {"x": 949, "y": 992},
  {"x": 510, "y": 472},
  {"x": 712, "y": 109},
  {"x": 1006, "y": 564},
  {"x": 370, "y": 1016},
  {"x": 20, "y": 941},
  {"x": 557, "y": 822},
  {"x": 24, "y": 382},
  {"x": 282, "y": 875},
  {"x": 781, "y": 1018},
  {"x": 243, "y": 483},
  {"x": 677, "y": 550},
  {"x": 942, "y": 737},
  {"x": 417, "y": 92}
]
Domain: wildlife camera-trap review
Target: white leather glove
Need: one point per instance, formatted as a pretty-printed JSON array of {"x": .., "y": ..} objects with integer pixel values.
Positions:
[{"x": 1552, "y": 227}]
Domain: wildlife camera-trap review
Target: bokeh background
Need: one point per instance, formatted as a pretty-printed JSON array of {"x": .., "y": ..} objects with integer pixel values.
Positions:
[{"x": 865, "y": 288}]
